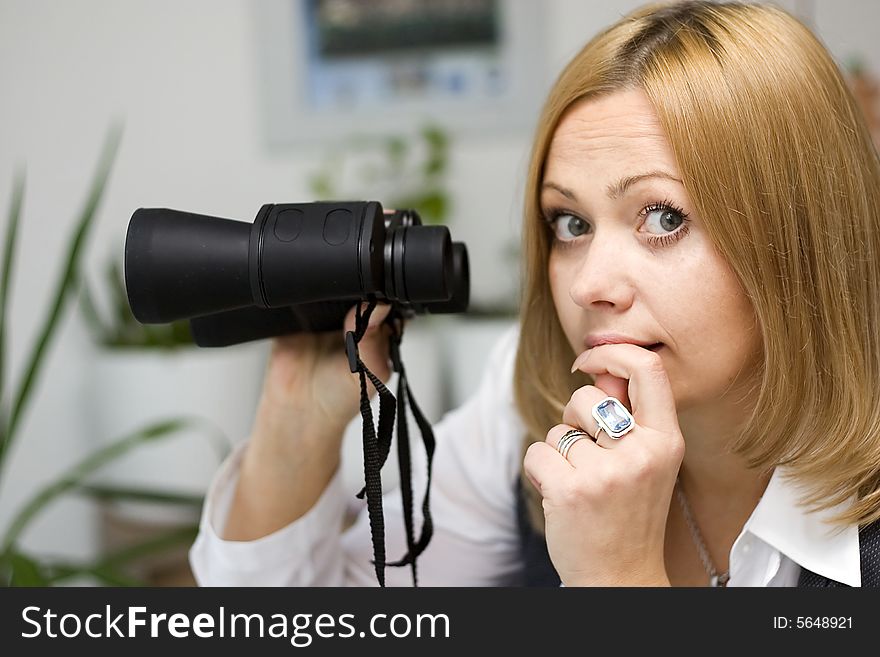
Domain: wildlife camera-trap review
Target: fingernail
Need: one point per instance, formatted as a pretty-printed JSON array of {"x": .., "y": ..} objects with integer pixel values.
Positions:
[{"x": 580, "y": 360}]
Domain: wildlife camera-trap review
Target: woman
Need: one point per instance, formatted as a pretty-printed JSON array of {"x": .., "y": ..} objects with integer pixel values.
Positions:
[{"x": 702, "y": 247}]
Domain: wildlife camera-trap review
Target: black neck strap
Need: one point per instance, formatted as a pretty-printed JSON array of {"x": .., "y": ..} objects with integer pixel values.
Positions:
[{"x": 377, "y": 445}]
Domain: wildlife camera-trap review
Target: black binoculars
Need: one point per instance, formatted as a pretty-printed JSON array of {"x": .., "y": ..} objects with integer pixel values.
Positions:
[{"x": 298, "y": 268}]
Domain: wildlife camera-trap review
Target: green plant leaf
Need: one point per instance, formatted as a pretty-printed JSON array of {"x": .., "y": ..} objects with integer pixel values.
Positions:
[
  {"x": 118, "y": 297},
  {"x": 115, "y": 493},
  {"x": 436, "y": 136},
  {"x": 76, "y": 475},
  {"x": 25, "y": 571},
  {"x": 181, "y": 333},
  {"x": 432, "y": 205},
  {"x": 397, "y": 149},
  {"x": 855, "y": 65},
  {"x": 321, "y": 185},
  {"x": 8, "y": 257},
  {"x": 435, "y": 205},
  {"x": 90, "y": 312},
  {"x": 438, "y": 149},
  {"x": 66, "y": 283}
]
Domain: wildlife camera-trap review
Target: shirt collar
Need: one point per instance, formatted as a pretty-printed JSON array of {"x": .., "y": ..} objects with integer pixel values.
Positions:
[{"x": 806, "y": 537}]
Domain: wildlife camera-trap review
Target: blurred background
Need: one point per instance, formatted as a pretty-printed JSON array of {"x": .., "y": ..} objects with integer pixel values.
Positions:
[{"x": 218, "y": 107}]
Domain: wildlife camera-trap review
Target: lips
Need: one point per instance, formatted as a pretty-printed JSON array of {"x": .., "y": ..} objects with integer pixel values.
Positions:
[{"x": 596, "y": 340}]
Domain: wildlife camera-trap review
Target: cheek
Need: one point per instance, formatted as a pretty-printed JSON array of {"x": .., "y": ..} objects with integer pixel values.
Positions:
[
  {"x": 558, "y": 283},
  {"x": 566, "y": 310},
  {"x": 556, "y": 277},
  {"x": 706, "y": 301},
  {"x": 734, "y": 318},
  {"x": 741, "y": 334},
  {"x": 720, "y": 342}
]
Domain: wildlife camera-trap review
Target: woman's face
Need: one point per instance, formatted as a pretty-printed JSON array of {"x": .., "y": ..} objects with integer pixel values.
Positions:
[{"x": 631, "y": 261}]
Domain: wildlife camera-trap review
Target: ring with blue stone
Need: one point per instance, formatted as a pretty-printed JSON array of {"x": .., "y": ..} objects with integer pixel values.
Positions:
[{"x": 613, "y": 418}]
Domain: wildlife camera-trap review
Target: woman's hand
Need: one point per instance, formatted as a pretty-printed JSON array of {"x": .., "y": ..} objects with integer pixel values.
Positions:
[
  {"x": 309, "y": 396},
  {"x": 606, "y": 506},
  {"x": 308, "y": 377}
]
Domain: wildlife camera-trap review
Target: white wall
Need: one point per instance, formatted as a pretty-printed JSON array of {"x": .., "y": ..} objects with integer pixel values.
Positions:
[{"x": 182, "y": 75}]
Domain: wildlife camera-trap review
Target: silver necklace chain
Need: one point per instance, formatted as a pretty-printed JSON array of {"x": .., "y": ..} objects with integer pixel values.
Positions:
[{"x": 715, "y": 579}]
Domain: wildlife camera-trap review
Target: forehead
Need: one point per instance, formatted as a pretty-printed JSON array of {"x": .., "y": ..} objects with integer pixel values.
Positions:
[{"x": 610, "y": 135}]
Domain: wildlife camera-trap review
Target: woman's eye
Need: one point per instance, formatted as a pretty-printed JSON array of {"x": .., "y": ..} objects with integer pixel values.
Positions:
[
  {"x": 662, "y": 220},
  {"x": 567, "y": 227}
]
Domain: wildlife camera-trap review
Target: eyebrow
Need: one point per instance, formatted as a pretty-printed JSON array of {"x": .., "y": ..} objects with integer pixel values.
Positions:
[{"x": 615, "y": 190}]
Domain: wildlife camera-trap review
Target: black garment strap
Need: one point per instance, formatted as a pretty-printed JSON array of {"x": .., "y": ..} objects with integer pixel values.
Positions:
[
  {"x": 377, "y": 445},
  {"x": 404, "y": 394}
]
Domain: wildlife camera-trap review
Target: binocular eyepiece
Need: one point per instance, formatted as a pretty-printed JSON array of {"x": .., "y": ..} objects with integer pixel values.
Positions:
[{"x": 298, "y": 267}]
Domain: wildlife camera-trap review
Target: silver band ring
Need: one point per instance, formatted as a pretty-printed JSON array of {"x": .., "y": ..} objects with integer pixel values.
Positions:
[{"x": 569, "y": 438}]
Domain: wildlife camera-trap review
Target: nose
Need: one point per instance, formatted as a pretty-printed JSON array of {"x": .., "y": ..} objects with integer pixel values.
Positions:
[{"x": 602, "y": 275}]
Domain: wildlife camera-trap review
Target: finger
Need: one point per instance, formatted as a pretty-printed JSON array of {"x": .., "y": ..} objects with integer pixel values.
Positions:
[
  {"x": 579, "y": 413},
  {"x": 380, "y": 312},
  {"x": 374, "y": 351},
  {"x": 580, "y": 452},
  {"x": 649, "y": 391},
  {"x": 544, "y": 466},
  {"x": 605, "y": 441},
  {"x": 291, "y": 346},
  {"x": 614, "y": 387},
  {"x": 373, "y": 348}
]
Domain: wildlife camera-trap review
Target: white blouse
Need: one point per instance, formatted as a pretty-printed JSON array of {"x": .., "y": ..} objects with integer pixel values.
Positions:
[{"x": 476, "y": 540}]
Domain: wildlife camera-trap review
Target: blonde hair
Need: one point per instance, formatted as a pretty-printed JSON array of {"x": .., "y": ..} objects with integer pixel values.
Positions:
[{"x": 777, "y": 160}]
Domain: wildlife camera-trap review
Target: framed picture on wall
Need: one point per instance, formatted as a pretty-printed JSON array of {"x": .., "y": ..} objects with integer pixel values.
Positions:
[{"x": 331, "y": 68}]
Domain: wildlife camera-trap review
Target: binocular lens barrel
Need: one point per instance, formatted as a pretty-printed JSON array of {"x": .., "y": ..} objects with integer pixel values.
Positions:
[
  {"x": 299, "y": 261},
  {"x": 180, "y": 265},
  {"x": 418, "y": 264},
  {"x": 460, "y": 281}
]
